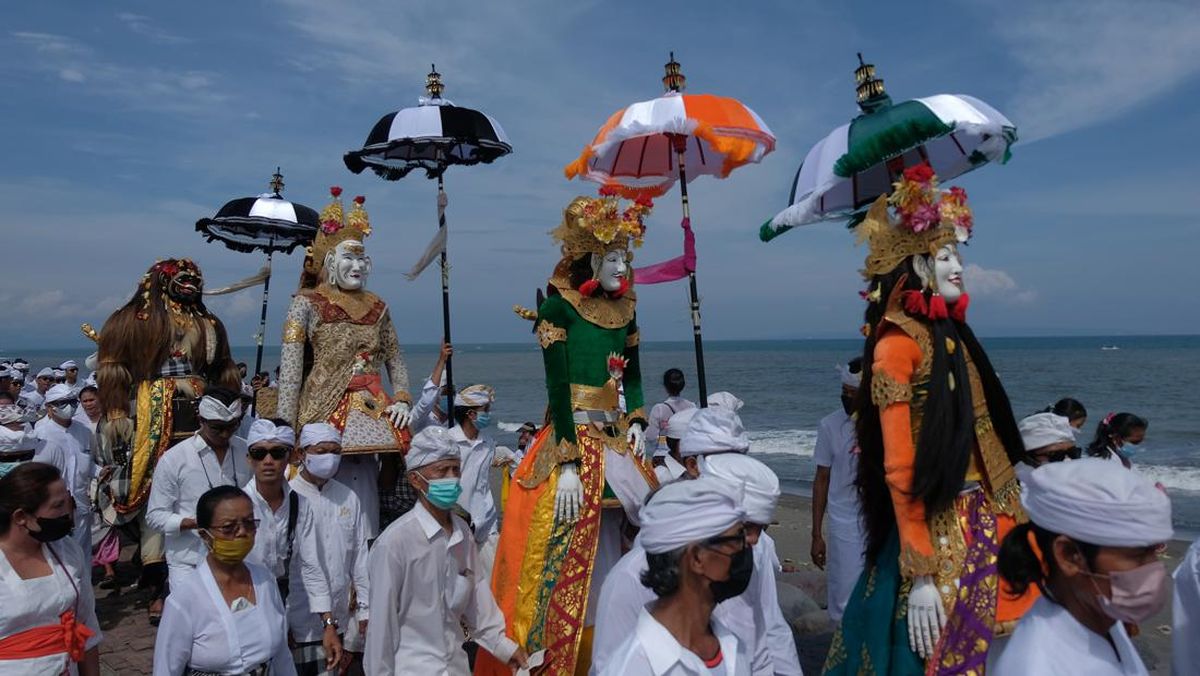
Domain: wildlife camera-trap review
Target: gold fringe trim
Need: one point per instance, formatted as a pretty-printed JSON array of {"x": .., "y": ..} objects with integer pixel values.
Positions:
[
  {"x": 549, "y": 334},
  {"x": 548, "y": 460}
]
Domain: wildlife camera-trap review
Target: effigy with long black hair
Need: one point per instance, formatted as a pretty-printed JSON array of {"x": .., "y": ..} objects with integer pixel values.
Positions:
[{"x": 938, "y": 448}]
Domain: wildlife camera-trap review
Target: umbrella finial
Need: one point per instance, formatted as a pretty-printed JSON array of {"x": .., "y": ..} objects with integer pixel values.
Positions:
[
  {"x": 871, "y": 95},
  {"x": 673, "y": 81},
  {"x": 433, "y": 83},
  {"x": 277, "y": 182}
]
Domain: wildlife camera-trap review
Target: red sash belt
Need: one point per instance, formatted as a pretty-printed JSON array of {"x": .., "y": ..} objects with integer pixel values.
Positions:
[{"x": 67, "y": 636}]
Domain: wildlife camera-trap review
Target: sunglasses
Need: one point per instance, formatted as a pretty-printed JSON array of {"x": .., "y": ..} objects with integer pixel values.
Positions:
[
  {"x": 229, "y": 530},
  {"x": 275, "y": 453},
  {"x": 738, "y": 538},
  {"x": 1074, "y": 453}
]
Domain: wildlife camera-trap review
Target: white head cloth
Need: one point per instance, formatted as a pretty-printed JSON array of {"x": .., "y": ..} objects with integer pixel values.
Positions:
[
  {"x": 265, "y": 430},
  {"x": 1043, "y": 429},
  {"x": 21, "y": 365},
  {"x": 760, "y": 486},
  {"x": 319, "y": 433},
  {"x": 1098, "y": 502},
  {"x": 11, "y": 413},
  {"x": 849, "y": 379},
  {"x": 211, "y": 408},
  {"x": 59, "y": 392},
  {"x": 68, "y": 364},
  {"x": 6, "y": 371},
  {"x": 475, "y": 396},
  {"x": 683, "y": 512},
  {"x": 677, "y": 424},
  {"x": 430, "y": 445},
  {"x": 725, "y": 400},
  {"x": 45, "y": 373},
  {"x": 59, "y": 373},
  {"x": 714, "y": 430}
]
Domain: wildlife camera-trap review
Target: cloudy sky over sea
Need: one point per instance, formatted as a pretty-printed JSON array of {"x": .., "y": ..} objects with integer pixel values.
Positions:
[{"x": 126, "y": 122}]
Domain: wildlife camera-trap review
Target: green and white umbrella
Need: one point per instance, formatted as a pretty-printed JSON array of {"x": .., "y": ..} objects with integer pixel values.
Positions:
[{"x": 857, "y": 162}]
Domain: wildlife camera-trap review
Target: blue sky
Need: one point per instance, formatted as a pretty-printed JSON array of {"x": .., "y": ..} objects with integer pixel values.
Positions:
[{"x": 125, "y": 122}]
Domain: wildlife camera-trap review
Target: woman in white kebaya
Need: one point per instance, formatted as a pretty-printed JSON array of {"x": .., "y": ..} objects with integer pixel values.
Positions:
[
  {"x": 48, "y": 621},
  {"x": 225, "y": 616},
  {"x": 1091, "y": 547}
]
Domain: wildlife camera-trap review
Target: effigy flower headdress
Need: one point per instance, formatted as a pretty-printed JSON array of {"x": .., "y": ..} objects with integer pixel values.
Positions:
[
  {"x": 337, "y": 227},
  {"x": 917, "y": 218},
  {"x": 597, "y": 225}
]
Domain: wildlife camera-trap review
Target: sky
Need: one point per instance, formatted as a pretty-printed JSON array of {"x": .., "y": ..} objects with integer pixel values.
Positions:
[{"x": 126, "y": 122}]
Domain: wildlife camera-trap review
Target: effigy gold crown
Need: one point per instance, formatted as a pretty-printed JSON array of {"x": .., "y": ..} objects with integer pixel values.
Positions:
[
  {"x": 597, "y": 225},
  {"x": 337, "y": 227},
  {"x": 926, "y": 219}
]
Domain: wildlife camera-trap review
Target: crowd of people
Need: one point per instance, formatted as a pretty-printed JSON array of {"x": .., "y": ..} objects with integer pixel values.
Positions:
[{"x": 274, "y": 567}]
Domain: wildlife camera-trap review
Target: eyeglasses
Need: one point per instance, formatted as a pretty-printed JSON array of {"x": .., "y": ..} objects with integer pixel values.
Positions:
[
  {"x": 276, "y": 453},
  {"x": 1074, "y": 453},
  {"x": 739, "y": 538},
  {"x": 221, "y": 427},
  {"x": 230, "y": 530}
]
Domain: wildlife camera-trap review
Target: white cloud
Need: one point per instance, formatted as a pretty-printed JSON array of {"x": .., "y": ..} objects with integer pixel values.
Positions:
[
  {"x": 1089, "y": 61},
  {"x": 144, "y": 26},
  {"x": 137, "y": 87},
  {"x": 984, "y": 283}
]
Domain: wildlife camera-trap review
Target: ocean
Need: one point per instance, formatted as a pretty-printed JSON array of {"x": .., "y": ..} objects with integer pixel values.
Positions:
[{"x": 788, "y": 386}]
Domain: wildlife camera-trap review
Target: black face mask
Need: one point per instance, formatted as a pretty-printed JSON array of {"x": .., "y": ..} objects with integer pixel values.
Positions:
[
  {"x": 53, "y": 529},
  {"x": 848, "y": 404},
  {"x": 741, "y": 567}
]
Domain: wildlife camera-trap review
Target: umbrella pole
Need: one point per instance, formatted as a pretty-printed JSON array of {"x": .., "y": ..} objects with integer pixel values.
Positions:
[
  {"x": 262, "y": 324},
  {"x": 446, "y": 305},
  {"x": 680, "y": 143}
]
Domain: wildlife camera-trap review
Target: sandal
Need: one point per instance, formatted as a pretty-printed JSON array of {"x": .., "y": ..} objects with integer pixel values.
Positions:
[
  {"x": 154, "y": 614},
  {"x": 109, "y": 582}
]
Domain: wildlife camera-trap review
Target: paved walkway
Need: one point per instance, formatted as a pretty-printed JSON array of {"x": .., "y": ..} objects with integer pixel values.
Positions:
[{"x": 128, "y": 645}]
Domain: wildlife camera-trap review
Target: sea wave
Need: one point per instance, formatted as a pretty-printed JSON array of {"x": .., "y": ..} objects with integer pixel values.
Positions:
[{"x": 784, "y": 442}]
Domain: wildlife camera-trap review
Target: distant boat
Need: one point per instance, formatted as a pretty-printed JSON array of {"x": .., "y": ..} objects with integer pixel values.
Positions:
[{"x": 1109, "y": 347}]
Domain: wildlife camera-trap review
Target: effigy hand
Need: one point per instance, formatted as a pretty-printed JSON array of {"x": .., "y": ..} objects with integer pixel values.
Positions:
[
  {"x": 637, "y": 439},
  {"x": 568, "y": 497},
  {"x": 926, "y": 616},
  {"x": 399, "y": 414}
]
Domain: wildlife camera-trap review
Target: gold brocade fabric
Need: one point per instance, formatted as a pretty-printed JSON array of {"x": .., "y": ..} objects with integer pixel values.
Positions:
[
  {"x": 549, "y": 334},
  {"x": 889, "y": 245},
  {"x": 336, "y": 346},
  {"x": 604, "y": 312},
  {"x": 633, "y": 339},
  {"x": 885, "y": 390},
  {"x": 293, "y": 332},
  {"x": 589, "y": 398},
  {"x": 355, "y": 304},
  {"x": 548, "y": 460}
]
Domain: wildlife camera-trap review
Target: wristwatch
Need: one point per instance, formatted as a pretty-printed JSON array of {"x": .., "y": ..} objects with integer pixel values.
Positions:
[{"x": 329, "y": 622}]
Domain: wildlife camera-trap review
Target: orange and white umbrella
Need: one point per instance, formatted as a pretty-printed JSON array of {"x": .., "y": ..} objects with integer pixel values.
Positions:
[
  {"x": 635, "y": 151},
  {"x": 642, "y": 150}
]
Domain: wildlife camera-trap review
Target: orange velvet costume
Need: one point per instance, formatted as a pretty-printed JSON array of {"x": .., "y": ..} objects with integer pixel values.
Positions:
[{"x": 935, "y": 544}]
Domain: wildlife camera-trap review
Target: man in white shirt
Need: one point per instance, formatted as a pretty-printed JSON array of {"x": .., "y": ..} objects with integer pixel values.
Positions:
[
  {"x": 33, "y": 396},
  {"x": 425, "y": 578},
  {"x": 68, "y": 447},
  {"x": 427, "y": 411},
  {"x": 753, "y": 616},
  {"x": 340, "y": 530},
  {"x": 212, "y": 457},
  {"x": 836, "y": 455},
  {"x": 476, "y": 448},
  {"x": 71, "y": 375},
  {"x": 670, "y": 466},
  {"x": 660, "y": 413}
]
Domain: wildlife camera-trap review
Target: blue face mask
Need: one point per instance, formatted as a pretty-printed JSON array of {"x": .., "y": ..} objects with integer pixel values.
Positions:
[
  {"x": 443, "y": 493},
  {"x": 1129, "y": 449},
  {"x": 483, "y": 419}
]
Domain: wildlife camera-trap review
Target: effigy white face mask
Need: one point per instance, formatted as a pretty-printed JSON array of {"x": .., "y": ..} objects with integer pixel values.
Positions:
[
  {"x": 947, "y": 270},
  {"x": 613, "y": 270},
  {"x": 348, "y": 266}
]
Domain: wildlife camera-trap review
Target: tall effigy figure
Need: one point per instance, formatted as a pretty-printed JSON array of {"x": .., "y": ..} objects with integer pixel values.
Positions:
[
  {"x": 157, "y": 353},
  {"x": 584, "y": 478},
  {"x": 938, "y": 447},
  {"x": 338, "y": 339}
]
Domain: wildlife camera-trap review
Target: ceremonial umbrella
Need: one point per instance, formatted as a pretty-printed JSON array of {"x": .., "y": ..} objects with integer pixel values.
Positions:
[
  {"x": 266, "y": 223},
  {"x": 857, "y": 162},
  {"x": 433, "y": 136},
  {"x": 643, "y": 149}
]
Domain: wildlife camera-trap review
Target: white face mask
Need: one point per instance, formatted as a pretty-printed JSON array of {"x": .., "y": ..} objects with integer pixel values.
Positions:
[
  {"x": 349, "y": 266},
  {"x": 947, "y": 270},
  {"x": 613, "y": 270},
  {"x": 12, "y": 441},
  {"x": 322, "y": 466},
  {"x": 64, "y": 412}
]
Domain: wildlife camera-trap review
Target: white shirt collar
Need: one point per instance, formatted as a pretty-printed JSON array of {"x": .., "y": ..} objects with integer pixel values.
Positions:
[
  {"x": 252, "y": 491},
  {"x": 459, "y": 436},
  {"x": 663, "y": 651}
]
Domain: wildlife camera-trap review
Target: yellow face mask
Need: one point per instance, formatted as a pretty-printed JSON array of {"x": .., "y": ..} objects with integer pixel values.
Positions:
[{"x": 230, "y": 551}]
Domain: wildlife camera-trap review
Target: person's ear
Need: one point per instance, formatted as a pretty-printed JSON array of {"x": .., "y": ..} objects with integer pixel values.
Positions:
[
  {"x": 1068, "y": 557},
  {"x": 693, "y": 560},
  {"x": 414, "y": 480},
  {"x": 692, "y": 465}
]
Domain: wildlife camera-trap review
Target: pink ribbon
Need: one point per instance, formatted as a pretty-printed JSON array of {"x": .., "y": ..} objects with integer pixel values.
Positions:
[{"x": 675, "y": 268}]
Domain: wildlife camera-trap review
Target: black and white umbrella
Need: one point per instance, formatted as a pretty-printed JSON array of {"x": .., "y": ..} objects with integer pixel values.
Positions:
[
  {"x": 433, "y": 136},
  {"x": 266, "y": 223}
]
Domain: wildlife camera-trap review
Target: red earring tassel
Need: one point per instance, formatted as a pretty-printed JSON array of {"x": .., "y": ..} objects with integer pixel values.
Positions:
[
  {"x": 959, "y": 313},
  {"x": 590, "y": 287},
  {"x": 937, "y": 307},
  {"x": 914, "y": 304}
]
